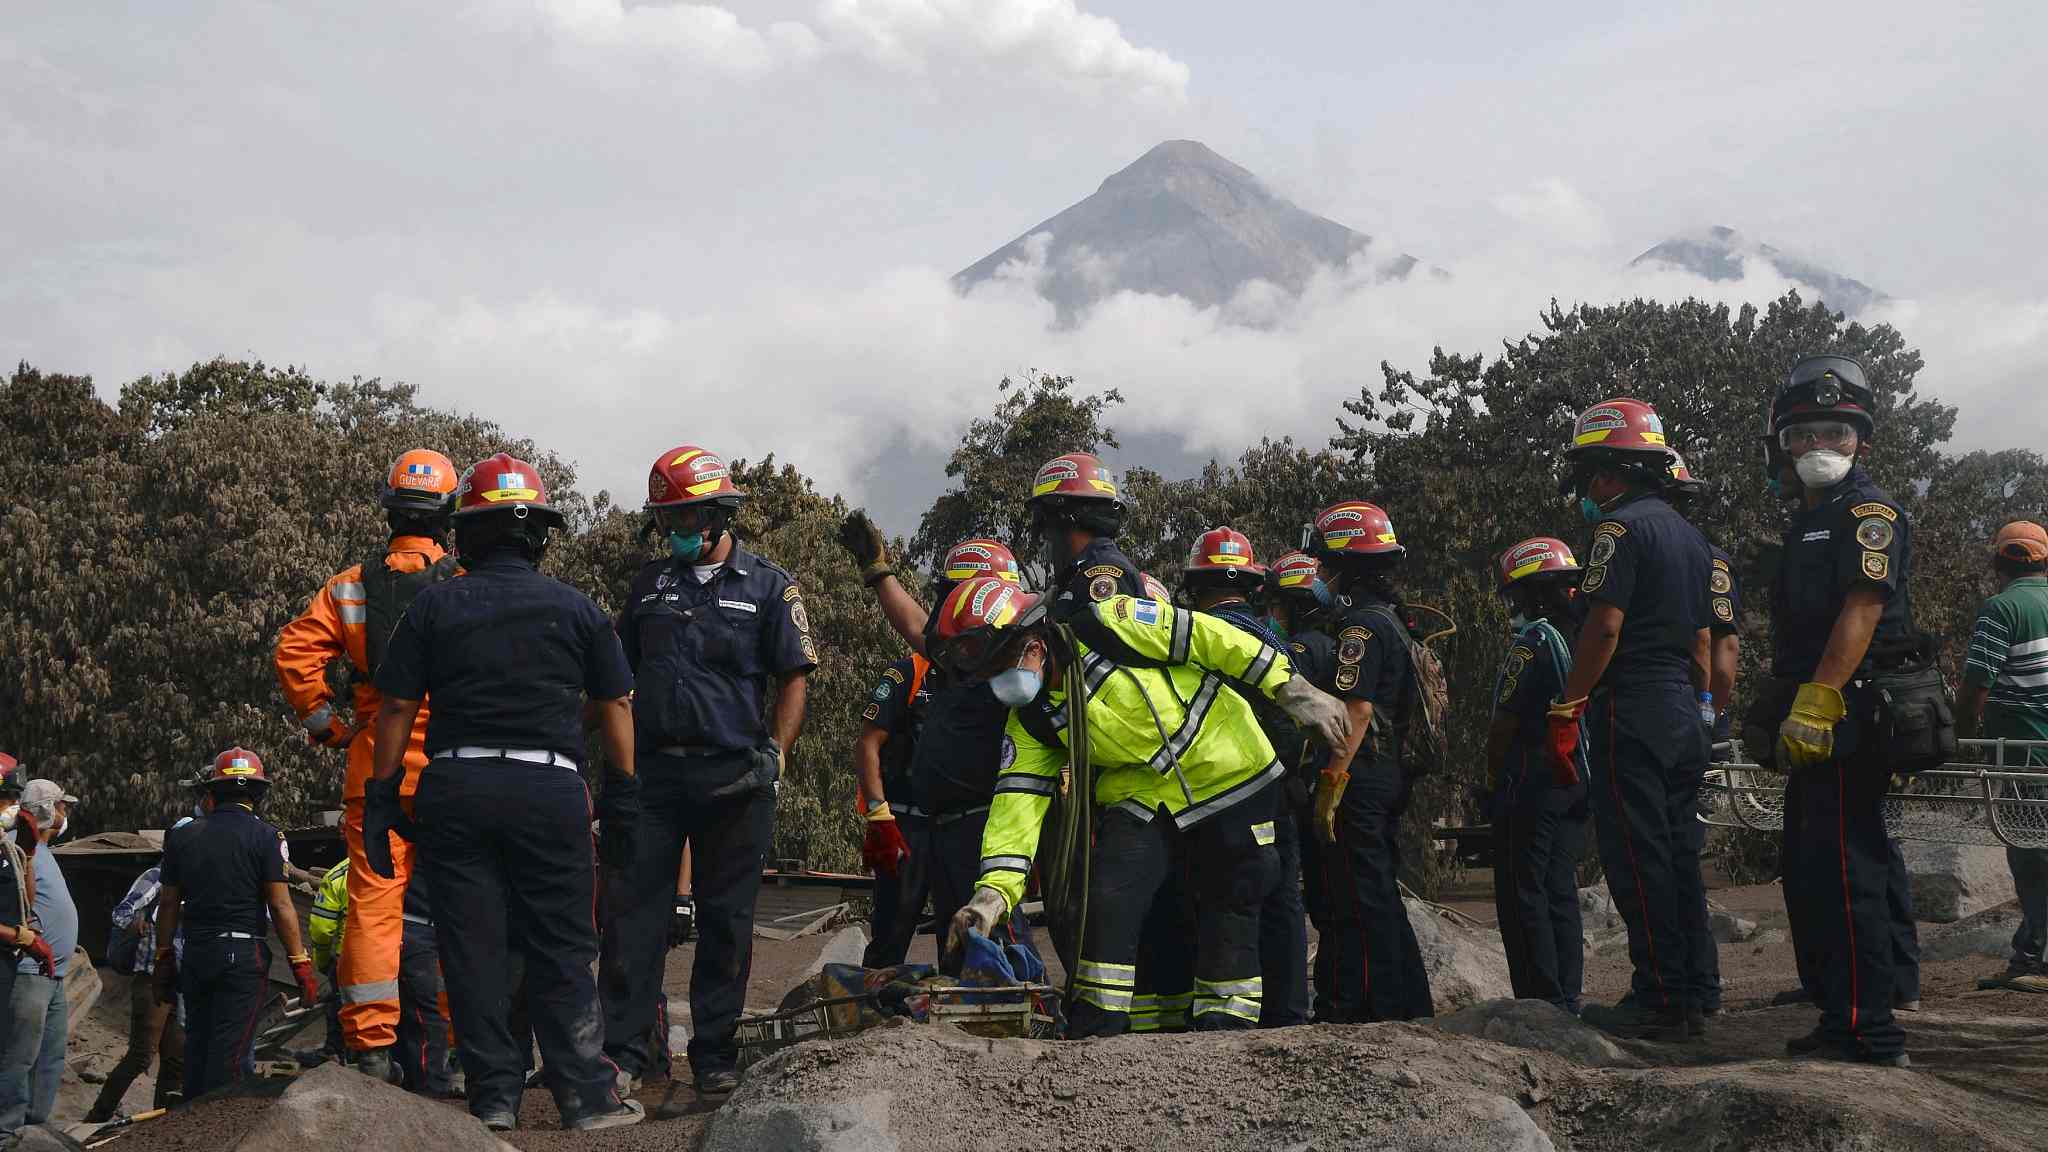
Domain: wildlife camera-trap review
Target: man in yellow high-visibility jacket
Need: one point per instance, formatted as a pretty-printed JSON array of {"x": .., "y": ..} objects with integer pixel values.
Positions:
[{"x": 1183, "y": 786}]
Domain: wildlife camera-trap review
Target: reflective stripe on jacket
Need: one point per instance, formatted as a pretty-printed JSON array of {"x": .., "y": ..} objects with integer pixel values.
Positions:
[{"x": 1179, "y": 737}]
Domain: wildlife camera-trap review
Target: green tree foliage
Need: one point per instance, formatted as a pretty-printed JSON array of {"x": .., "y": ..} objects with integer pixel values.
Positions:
[
  {"x": 999, "y": 457},
  {"x": 1268, "y": 494}
]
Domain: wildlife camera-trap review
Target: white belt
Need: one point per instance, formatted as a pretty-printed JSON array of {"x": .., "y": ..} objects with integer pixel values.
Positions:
[
  {"x": 529, "y": 755},
  {"x": 235, "y": 936}
]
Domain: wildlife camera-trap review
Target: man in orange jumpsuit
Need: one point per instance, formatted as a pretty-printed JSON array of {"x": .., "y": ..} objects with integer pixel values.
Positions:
[{"x": 351, "y": 619}]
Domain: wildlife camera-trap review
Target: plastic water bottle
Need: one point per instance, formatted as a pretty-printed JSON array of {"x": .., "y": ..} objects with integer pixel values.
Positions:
[{"x": 1707, "y": 715}]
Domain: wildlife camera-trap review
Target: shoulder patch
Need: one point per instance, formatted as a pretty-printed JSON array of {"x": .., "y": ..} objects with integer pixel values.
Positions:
[
  {"x": 1351, "y": 647},
  {"x": 893, "y": 673},
  {"x": 1100, "y": 570},
  {"x": 1721, "y": 582},
  {"x": 1874, "y": 533},
  {"x": 792, "y": 592},
  {"x": 1603, "y": 549},
  {"x": 798, "y": 618},
  {"x": 1611, "y": 528},
  {"x": 1101, "y": 588},
  {"x": 1347, "y": 677},
  {"x": 1521, "y": 652},
  {"x": 1298, "y": 646},
  {"x": 1143, "y": 611},
  {"x": 871, "y": 712},
  {"x": 1724, "y": 610},
  {"x": 883, "y": 692},
  {"x": 1877, "y": 565},
  {"x": 1593, "y": 579},
  {"x": 1874, "y": 508}
]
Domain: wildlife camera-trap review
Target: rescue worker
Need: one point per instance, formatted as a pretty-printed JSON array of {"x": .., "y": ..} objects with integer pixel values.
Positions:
[
  {"x": 224, "y": 883},
  {"x": 894, "y": 713},
  {"x": 1299, "y": 604},
  {"x": 154, "y": 1031},
  {"x": 18, "y": 935},
  {"x": 1639, "y": 664},
  {"x": 1220, "y": 578},
  {"x": 37, "y": 1016},
  {"x": 1369, "y": 967},
  {"x": 421, "y": 1053},
  {"x": 1717, "y": 701},
  {"x": 323, "y": 941},
  {"x": 1840, "y": 593},
  {"x": 954, "y": 763},
  {"x": 350, "y": 621},
  {"x": 1539, "y": 812},
  {"x": 1076, "y": 512},
  {"x": 721, "y": 649},
  {"x": 510, "y": 657},
  {"x": 1182, "y": 783},
  {"x": 2005, "y": 691}
]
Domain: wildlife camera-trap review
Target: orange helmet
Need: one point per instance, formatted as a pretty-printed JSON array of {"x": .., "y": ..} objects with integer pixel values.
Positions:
[
  {"x": 687, "y": 474},
  {"x": 10, "y": 775},
  {"x": 1222, "y": 556},
  {"x": 505, "y": 482},
  {"x": 421, "y": 480},
  {"x": 974, "y": 616},
  {"x": 979, "y": 557},
  {"x": 237, "y": 766},
  {"x": 1536, "y": 556},
  {"x": 1351, "y": 528},
  {"x": 1079, "y": 488}
]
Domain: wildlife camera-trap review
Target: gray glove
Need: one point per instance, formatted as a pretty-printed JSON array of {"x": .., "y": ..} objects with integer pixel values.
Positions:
[
  {"x": 1316, "y": 710},
  {"x": 981, "y": 914}
]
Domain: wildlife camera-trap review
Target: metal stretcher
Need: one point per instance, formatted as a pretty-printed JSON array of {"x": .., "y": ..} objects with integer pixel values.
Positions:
[{"x": 1996, "y": 798}]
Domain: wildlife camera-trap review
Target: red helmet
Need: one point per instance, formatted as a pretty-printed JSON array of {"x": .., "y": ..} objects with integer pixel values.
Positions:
[
  {"x": 421, "y": 480},
  {"x": 501, "y": 482},
  {"x": 1222, "y": 555},
  {"x": 979, "y": 557},
  {"x": 1536, "y": 556},
  {"x": 1294, "y": 572},
  {"x": 1619, "y": 427},
  {"x": 686, "y": 475},
  {"x": 1351, "y": 528},
  {"x": 1683, "y": 482},
  {"x": 974, "y": 616},
  {"x": 10, "y": 774},
  {"x": 237, "y": 766},
  {"x": 1077, "y": 487}
]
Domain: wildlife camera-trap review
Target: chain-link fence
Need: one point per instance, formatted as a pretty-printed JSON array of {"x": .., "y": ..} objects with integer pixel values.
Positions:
[{"x": 1997, "y": 797}]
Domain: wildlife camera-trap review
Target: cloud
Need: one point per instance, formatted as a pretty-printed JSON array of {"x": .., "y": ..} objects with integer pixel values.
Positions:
[{"x": 1049, "y": 38}]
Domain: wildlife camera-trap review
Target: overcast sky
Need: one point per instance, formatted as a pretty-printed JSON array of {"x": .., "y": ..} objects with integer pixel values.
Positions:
[{"x": 618, "y": 227}]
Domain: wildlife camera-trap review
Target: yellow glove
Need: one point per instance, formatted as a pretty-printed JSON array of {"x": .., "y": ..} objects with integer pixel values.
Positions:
[
  {"x": 1329, "y": 794},
  {"x": 1807, "y": 737}
]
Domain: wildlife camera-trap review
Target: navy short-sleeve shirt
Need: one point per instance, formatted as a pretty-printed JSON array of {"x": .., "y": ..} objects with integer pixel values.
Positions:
[
  {"x": 1856, "y": 537},
  {"x": 1098, "y": 573},
  {"x": 508, "y": 656},
  {"x": 1371, "y": 664},
  {"x": 1647, "y": 560},
  {"x": 898, "y": 705},
  {"x": 1531, "y": 676},
  {"x": 222, "y": 864},
  {"x": 705, "y": 652}
]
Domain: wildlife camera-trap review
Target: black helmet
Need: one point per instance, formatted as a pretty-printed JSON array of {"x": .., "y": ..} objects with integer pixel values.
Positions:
[{"x": 1825, "y": 388}]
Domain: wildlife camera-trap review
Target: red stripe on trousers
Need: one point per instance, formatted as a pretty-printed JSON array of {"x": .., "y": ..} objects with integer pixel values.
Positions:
[{"x": 1848, "y": 914}]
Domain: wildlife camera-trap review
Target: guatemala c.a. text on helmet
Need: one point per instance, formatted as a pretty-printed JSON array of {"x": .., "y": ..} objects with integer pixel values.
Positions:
[
  {"x": 1077, "y": 491},
  {"x": 1539, "y": 557},
  {"x": 691, "y": 497},
  {"x": 1351, "y": 530},
  {"x": 978, "y": 557}
]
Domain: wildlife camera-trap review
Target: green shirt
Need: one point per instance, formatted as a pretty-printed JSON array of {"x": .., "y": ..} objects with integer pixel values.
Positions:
[{"x": 2009, "y": 654}]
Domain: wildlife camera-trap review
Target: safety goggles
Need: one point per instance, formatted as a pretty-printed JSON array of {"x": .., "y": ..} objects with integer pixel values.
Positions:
[
  {"x": 1831, "y": 434},
  {"x": 688, "y": 518}
]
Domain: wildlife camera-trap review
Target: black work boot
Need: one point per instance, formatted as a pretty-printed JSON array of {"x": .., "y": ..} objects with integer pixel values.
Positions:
[
  {"x": 1632, "y": 1021},
  {"x": 1807, "y": 1043},
  {"x": 375, "y": 1063}
]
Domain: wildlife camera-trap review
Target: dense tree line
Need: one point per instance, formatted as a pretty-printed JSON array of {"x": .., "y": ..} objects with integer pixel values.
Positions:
[{"x": 154, "y": 546}]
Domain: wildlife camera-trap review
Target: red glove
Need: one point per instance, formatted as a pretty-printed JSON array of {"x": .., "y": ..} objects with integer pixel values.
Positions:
[
  {"x": 40, "y": 949},
  {"x": 883, "y": 849},
  {"x": 1564, "y": 740},
  {"x": 309, "y": 984}
]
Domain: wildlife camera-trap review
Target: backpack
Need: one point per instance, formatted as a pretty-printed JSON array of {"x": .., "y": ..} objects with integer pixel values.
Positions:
[
  {"x": 386, "y": 596},
  {"x": 1421, "y": 736}
]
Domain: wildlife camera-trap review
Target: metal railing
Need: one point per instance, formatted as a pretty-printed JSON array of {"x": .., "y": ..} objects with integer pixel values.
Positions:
[{"x": 2002, "y": 802}]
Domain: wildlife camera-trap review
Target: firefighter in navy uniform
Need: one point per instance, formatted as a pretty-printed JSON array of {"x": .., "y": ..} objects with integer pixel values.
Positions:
[
  {"x": 1220, "y": 579},
  {"x": 1076, "y": 512},
  {"x": 1369, "y": 967},
  {"x": 1299, "y": 605},
  {"x": 890, "y": 722},
  {"x": 959, "y": 747},
  {"x": 1839, "y": 595},
  {"x": 1182, "y": 785},
  {"x": 223, "y": 879},
  {"x": 721, "y": 649},
  {"x": 1639, "y": 665},
  {"x": 1540, "y": 821},
  {"x": 510, "y": 658}
]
